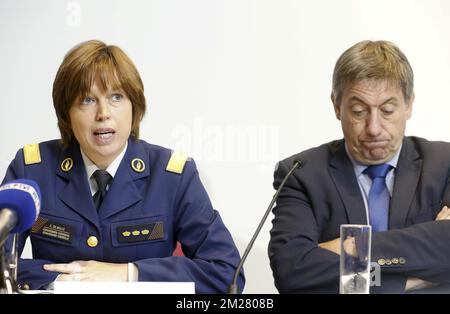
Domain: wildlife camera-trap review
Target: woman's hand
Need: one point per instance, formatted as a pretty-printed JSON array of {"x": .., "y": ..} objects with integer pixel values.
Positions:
[{"x": 89, "y": 271}]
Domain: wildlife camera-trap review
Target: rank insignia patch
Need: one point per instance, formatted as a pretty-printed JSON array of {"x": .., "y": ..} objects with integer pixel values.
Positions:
[
  {"x": 176, "y": 162},
  {"x": 139, "y": 233},
  {"x": 31, "y": 154}
]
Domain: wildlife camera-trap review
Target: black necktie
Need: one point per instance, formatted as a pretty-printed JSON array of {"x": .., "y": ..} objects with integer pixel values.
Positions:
[{"x": 103, "y": 179}]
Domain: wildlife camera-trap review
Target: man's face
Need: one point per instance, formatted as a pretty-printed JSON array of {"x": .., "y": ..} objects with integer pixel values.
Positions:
[
  {"x": 373, "y": 116},
  {"x": 101, "y": 123}
]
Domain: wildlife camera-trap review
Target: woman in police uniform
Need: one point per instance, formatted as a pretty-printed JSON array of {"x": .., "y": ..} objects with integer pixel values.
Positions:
[{"x": 114, "y": 206}]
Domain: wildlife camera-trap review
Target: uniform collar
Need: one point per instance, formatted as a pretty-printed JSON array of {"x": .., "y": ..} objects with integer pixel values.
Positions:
[
  {"x": 124, "y": 183},
  {"x": 70, "y": 155},
  {"x": 123, "y": 192},
  {"x": 73, "y": 189},
  {"x": 111, "y": 169},
  {"x": 90, "y": 167},
  {"x": 136, "y": 154}
]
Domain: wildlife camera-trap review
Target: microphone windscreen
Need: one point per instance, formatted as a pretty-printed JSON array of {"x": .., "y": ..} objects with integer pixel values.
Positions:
[{"x": 24, "y": 198}]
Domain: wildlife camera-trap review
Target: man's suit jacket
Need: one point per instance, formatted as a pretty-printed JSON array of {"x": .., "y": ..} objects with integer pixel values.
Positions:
[
  {"x": 324, "y": 193},
  {"x": 148, "y": 208}
]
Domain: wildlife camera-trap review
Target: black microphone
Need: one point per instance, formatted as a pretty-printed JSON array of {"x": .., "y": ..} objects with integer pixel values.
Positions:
[
  {"x": 233, "y": 288},
  {"x": 20, "y": 204}
]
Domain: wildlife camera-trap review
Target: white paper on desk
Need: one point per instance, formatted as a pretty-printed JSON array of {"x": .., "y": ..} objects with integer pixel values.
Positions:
[{"x": 100, "y": 287}]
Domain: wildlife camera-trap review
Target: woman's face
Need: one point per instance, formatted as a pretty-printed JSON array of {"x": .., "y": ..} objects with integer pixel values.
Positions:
[{"x": 101, "y": 123}]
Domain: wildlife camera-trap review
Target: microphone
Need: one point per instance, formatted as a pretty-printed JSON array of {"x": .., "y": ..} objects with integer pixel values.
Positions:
[
  {"x": 233, "y": 288},
  {"x": 20, "y": 204}
]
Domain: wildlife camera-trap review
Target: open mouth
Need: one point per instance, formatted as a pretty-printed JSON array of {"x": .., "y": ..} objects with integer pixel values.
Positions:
[{"x": 104, "y": 134}]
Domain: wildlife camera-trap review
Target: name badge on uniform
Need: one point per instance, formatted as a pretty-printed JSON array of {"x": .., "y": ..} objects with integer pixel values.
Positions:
[
  {"x": 139, "y": 233},
  {"x": 54, "y": 230}
]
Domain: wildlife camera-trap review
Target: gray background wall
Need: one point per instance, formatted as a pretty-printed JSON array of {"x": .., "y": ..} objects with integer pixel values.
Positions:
[{"x": 237, "y": 84}]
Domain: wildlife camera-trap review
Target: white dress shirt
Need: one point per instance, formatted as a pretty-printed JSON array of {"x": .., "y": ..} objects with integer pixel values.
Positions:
[{"x": 365, "y": 183}]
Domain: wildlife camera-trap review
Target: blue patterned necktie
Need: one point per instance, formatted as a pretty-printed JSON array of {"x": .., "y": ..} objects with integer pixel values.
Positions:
[{"x": 378, "y": 196}]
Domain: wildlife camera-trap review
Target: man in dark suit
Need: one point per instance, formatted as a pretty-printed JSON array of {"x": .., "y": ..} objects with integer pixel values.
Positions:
[{"x": 375, "y": 175}]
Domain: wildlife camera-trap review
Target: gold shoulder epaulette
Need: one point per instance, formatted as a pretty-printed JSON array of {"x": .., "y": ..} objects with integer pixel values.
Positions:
[
  {"x": 176, "y": 162},
  {"x": 31, "y": 154}
]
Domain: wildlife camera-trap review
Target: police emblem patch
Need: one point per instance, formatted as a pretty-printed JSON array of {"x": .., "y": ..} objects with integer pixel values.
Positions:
[
  {"x": 138, "y": 165},
  {"x": 67, "y": 164}
]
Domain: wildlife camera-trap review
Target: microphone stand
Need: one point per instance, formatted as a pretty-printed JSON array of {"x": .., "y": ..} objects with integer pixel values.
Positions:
[
  {"x": 5, "y": 283},
  {"x": 8, "y": 268},
  {"x": 233, "y": 288}
]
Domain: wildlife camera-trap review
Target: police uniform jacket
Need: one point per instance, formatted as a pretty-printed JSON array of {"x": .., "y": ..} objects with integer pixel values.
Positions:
[{"x": 155, "y": 200}]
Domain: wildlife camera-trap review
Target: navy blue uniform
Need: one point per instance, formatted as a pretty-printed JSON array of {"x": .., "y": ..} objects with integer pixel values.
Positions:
[{"x": 147, "y": 209}]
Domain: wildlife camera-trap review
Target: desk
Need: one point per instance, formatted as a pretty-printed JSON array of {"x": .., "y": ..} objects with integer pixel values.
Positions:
[{"x": 101, "y": 287}]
